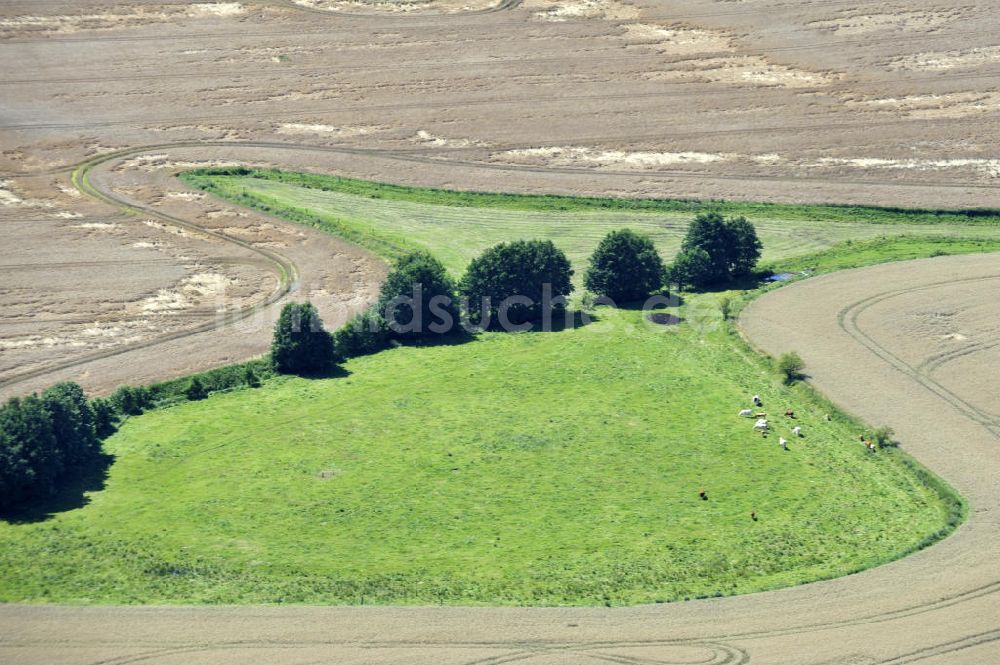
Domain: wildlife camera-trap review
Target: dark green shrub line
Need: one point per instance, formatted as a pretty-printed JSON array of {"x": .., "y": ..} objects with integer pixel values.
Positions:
[
  {"x": 248, "y": 374},
  {"x": 549, "y": 202},
  {"x": 49, "y": 440}
]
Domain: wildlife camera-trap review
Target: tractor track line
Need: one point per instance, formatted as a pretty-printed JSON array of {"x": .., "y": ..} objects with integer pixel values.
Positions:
[
  {"x": 420, "y": 156},
  {"x": 843, "y": 85},
  {"x": 285, "y": 269},
  {"x": 498, "y": 100},
  {"x": 847, "y": 320},
  {"x": 402, "y": 20}
]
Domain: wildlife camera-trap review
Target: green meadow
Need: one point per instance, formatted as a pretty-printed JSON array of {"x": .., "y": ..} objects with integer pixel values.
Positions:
[{"x": 556, "y": 468}]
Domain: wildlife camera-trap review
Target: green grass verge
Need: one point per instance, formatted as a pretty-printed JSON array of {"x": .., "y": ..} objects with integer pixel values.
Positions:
[
  {"x": 390, "y": 220},
  {"x": 552, "y": 203}
]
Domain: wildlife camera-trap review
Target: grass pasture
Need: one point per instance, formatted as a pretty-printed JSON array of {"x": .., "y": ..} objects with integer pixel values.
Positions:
[
  {"x": 554, "y": 468},
  {"x": 535, "y": 468}
]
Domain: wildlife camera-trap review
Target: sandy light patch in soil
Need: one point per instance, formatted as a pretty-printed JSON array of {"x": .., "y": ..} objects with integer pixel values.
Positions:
[
  {"x": 317, "y": 128},
  {"x": 424, "y": 137},
  {"x": 9, "y": 196},
  {"x": 747, "y": 70},
  {"x": 987, "y": 167},
  {"x": 193, "y": 291},
  {"x": 567, "y": 10},
  {"x": 676, "y": 40},
  {"x": 916, "y": 21},
  {"x": 97, "y": 226},
  {"x": 216, "y": 9},
  {"x": 150, "y": 163},
  {"x": 948, "y": 105},
  {"x": 398, "y": 6},
  {"x": 944, "y": 60},
  {"x": 583, "y": 156},
  {"x": 133, "y": 17},
  {"x": 185, "y": 196}
]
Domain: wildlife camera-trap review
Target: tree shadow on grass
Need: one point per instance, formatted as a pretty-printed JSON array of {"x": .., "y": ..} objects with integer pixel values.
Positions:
[
  {"x": 559, "y": 321},
  {"x": 744, "y": 283},
  {"x": 454, "y": 338},
  {"x": 335, "y": 372},
  {"x": 656, "y": 302},
  {"x": 72, "y": 495}
]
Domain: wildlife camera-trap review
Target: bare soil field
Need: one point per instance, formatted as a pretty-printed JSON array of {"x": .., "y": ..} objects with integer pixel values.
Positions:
[
  {"x": 938, "y": 606},
  {"x": 813, "y": 102}
]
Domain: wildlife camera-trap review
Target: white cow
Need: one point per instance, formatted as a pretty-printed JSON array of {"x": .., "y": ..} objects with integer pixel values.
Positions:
[
  {"x": 746, "y": 413},
  {"x": 782, "y": 442},
  {"x": 797, "y": 431},
  {"x": 761, "y": 425}
]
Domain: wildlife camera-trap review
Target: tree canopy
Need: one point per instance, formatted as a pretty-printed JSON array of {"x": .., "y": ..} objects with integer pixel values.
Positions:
[
  {"x": 418, "y": 297},
  {"x": 732, "y": 247},
  {"x": 519, "y": 279},
  {"x": 301, "y": 345},
  {"x": 692, "y": 267},
  {"x": 625, "y": 267},
  {"x": 43, "y": 441}
]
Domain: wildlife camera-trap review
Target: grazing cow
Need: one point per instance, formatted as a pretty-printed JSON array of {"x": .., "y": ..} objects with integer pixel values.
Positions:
[
  {"x": 756, "y": 401},
  {"x": 797, "y": 431},
  {"x": 782, "y": 442},
  {"x": 760, "y": 425},
  {"x": 760, "y": 415},
  {"x": 789, "y": 414},
  {"x": 746, "y": 413},
  {"x": 704, "y": 495}
]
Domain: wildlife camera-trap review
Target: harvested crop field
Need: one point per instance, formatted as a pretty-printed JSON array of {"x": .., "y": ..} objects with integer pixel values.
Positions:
[{"x": 823, "y": 102}]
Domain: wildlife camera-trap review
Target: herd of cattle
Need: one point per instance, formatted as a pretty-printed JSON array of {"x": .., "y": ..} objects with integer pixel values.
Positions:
[{"x": 763, "y": 426}]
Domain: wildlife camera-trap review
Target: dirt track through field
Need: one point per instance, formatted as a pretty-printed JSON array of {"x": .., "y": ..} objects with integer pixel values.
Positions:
[{"x": 939, "y": 605}]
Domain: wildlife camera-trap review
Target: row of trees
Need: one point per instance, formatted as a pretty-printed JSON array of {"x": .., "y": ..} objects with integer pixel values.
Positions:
[
  {"x": 513, "y": 281},
  {"x": 511, "y": 284},
  {"x": 47, "y": 439}
]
